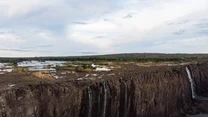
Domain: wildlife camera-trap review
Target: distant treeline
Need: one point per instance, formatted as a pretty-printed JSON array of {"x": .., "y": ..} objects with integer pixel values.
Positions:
[{"x": 142, "y": 57}]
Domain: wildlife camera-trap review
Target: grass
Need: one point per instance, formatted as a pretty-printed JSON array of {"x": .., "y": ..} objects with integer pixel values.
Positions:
[
  {"x": 68, "y": 68},
  {"x": 20, "y": 69},
  {"x": 79, "y": 68}
]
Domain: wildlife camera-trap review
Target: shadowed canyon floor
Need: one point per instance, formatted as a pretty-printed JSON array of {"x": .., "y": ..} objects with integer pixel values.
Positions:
[{"x": 201, "y": 115}]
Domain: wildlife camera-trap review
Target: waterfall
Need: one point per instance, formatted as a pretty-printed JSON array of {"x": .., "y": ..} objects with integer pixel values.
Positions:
[
  {"x": 192, "y": 82},
  {"x": 193, "y": 87},
  {"x": 125, "y": 100},
  {"x": 125, "y": 97},
  {"x": 89, "y": 101},
  {"x": 105, "y": 97}
]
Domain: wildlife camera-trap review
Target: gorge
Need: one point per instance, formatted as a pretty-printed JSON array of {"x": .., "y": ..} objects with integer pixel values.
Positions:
[{"x": 135, "y": 91}]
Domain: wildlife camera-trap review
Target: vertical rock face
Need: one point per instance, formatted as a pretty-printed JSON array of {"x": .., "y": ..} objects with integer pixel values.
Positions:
[
  {"x": 148, "y": 94},
  {"x": 44, "y": 100},
  {"x": 193, "y": 86},
  {"x": 200, "y": 74},
  {"x": 144, "y": 92}
]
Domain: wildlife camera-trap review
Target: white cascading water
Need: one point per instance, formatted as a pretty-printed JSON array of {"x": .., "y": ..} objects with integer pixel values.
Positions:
[
  {"x": 193, "y": 87},
  {"x": 191, "y": 80},
  {"x": 89, "y": 101},
  {"x": 105, "y": 98},
  {"x": 125, "y": 100}
]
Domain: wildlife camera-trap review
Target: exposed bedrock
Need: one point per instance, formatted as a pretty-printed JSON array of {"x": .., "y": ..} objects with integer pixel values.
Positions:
[
  {"x": 200, "y": 74},
  {"x": 139, "y": 92}
]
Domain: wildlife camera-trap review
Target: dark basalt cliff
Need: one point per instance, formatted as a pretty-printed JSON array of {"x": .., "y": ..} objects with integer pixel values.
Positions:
[{"x": 137, "y": 92}]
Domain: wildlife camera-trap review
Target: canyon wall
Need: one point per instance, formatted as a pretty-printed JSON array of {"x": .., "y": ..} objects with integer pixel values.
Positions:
[
  {"x": 137, "y": 92},
  {"x": 200, "y": 74}
]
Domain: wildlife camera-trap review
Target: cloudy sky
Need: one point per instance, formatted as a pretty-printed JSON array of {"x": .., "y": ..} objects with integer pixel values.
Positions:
[{"x": 83, "y": 27}]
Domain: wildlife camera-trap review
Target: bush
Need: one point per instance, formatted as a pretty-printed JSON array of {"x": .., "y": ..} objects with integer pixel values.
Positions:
[
  {"x": 79, "y": 69},
  {"x": 20, "y": 69},
  {"x": 88, "y": 70}
]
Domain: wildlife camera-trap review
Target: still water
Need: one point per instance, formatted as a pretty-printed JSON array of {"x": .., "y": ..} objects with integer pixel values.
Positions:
[{"x": 201, "y": 115}]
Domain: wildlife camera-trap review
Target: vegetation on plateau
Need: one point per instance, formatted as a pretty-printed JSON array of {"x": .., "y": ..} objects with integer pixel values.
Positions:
[{"x": 135, "y": 57}]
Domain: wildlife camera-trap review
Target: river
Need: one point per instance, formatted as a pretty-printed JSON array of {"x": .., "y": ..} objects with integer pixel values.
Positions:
[{"x": 201, "y": 115}]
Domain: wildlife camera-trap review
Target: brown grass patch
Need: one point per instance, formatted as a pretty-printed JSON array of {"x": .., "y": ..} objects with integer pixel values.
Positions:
[{"x": 43, "y": 75}]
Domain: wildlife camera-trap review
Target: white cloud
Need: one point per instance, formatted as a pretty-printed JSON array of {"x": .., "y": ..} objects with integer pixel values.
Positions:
[
  {"x": 45, "y": 35},
  {"x": 190, "y": 45},
  {"x": 22, "y": 7},
  {"x": 94, "y": 34},
  {"x": 101, "y": 26},
  {"x": 145, "y": 23},
  {"x": 10, "y": 40},
  {"x": 17, "y": 54}
]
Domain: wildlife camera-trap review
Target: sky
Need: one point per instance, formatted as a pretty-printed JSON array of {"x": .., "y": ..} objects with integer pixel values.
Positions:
[{"x": 30, "y": 28}]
